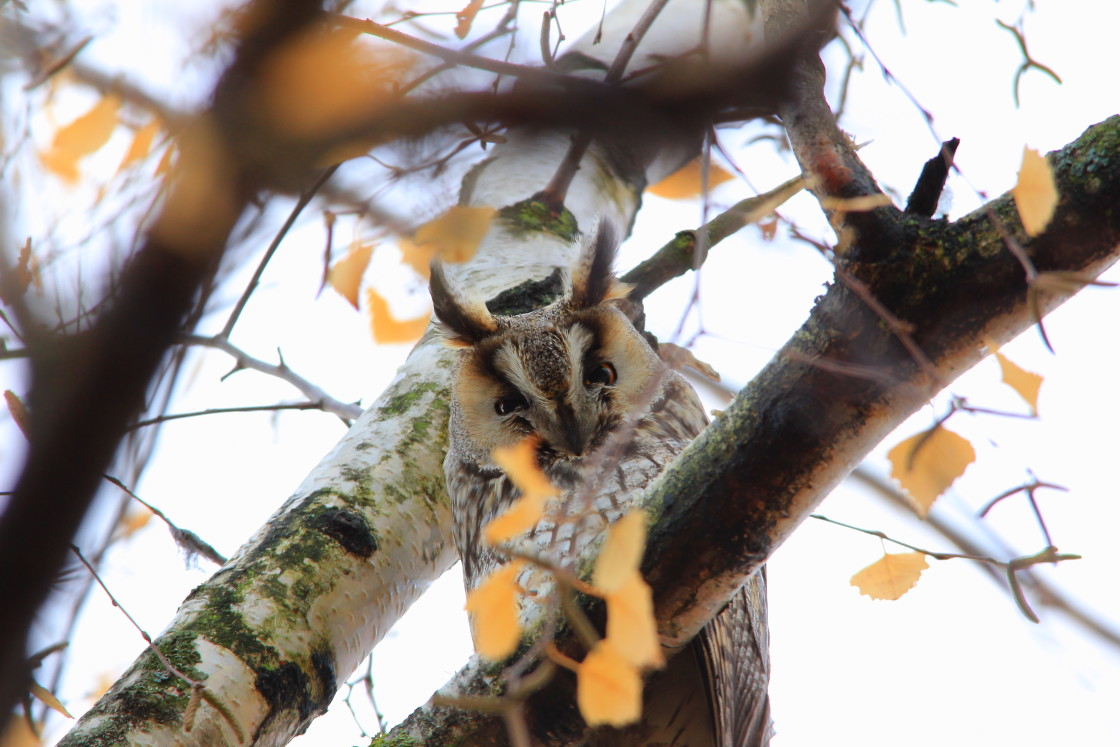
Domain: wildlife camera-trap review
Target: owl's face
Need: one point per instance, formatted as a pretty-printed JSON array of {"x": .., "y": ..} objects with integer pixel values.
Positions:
[{"x": 568, "y": 373}]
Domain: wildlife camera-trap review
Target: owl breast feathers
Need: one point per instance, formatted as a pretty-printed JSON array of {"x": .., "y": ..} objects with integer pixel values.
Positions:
[{"x": 607, "y": 415}]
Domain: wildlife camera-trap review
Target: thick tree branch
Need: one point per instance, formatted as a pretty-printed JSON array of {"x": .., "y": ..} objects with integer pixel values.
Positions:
[
  {"x": 806, "y": 420},
  {"x": 809, "y": 416}
]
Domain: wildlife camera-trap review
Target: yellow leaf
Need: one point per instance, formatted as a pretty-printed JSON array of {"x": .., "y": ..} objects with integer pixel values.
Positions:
[
  {"x": 326, "y": 80},
  {"x": 18, "y": 411},
  {"x": 608, "y": 687},
  {"x": 418, "y": 257},
  {"x": 134, "y": 521},
  {"x": 890, "y": 576},
  {"x": 81, "y": 137},
  {"x": 465, "y": 18},
  {"x": 387, "y": 328},
  {"x": 141, "y": 144},
  {"x": 685, "y": 182},
  {"x": 1036, "y": 194},
  {"x": 492, "y": 606},
  {"x": 48, "y": 698},
  {"x": 455, "y": 235},
  {"x": 519, "y": 462},
  {"x": 622, "y": 551},
  {"x": 1025, "y": 383},
  {"x": 631, "y": 627},
  {"x": 927, "y": 463},
  {"x": 522, "y": 515},
  {"x": 345, "y": 276}
]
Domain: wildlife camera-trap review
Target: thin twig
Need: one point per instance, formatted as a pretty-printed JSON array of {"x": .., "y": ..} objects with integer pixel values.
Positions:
[
  {"x": 301, "y": 203},
  {"x": 185, "y": 538},
  {"x": 347, "y": 412}
]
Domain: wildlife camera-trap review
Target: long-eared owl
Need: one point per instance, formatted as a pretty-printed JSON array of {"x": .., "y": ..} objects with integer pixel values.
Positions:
[{"x": 608, "y": 416}]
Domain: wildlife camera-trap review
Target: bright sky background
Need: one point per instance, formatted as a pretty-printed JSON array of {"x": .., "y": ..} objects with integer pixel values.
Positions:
[{"x": 952, "y": 662}]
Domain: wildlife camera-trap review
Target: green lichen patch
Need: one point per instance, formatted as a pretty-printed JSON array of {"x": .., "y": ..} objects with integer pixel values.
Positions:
[{"x": 534, "y": 216}]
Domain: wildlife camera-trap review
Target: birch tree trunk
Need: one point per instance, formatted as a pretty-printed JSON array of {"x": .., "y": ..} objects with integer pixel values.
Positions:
[{"x": 275, "y": 632}]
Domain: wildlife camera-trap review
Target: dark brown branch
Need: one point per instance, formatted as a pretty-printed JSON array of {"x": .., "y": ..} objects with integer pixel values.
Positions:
[
  {"x": 86, "y": 388},
  {"x": 931, "y": 183}
]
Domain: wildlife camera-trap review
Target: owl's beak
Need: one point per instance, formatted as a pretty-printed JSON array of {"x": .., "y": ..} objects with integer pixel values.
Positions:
[{"x": 573, "y": 436}]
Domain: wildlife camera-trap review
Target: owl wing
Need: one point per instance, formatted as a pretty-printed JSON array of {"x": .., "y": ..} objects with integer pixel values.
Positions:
[{"x": 734, "y": 651}]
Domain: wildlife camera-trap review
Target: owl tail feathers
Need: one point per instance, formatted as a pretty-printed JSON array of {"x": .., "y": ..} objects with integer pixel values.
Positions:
[
  {"x": 592, "y": 280},
  {"x": 464, "y": 322}
]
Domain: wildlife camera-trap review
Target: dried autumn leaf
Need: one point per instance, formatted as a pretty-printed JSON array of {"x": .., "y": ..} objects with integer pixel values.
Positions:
[
  {"x": 686, "y": 182},
  {"x": 455, "y": 235},
  {"x": 1036, "y": 193},
  {"x": 345, "y": 275},
  {"x": 891, "y": 576},
  {"x": 83, "y": 136},
  {"x": 621, "y": 552},
  {"x": 519, "y": 462},
  {"x": 1025, "y": 383},
  {"x": 47, "y": 698},
  {"x": 927, "y": 463},
  {"x": 141, "y": 144},
  {"x": 327, "y": 79},
  {"x": 631, "y": 626},
  {"x": 134, "y": 521},
  {"x": 386, "y": 327},
  {"x": 522, "y": 515},
  {"x": 608, "y": 688},
  {"x": 492, "y": 606},
  {"x": 679, "y": 358},
  {"x": 18, "y": 411},
  {"x": 419, "y": 258},
  {"x": 465, "y": 18}
]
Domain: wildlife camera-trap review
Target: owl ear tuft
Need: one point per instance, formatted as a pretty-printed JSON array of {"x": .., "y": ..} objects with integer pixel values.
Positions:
[
  {"x": 463, "y": 322},
  {"x": 592, "y": 280}
]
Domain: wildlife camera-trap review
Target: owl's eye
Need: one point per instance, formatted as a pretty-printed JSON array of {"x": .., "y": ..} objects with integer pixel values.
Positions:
[
  {"x": 603, "y": 374},
  {"x": 507, "y": 404}
]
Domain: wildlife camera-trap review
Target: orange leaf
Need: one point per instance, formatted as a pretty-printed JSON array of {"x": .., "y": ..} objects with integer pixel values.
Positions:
[
  {"x": 631, "y": 626},
  {"x": 608, "y": 688},
  {"x": 134, "y": 521},
  {"x": 465, "y": 18},
  {"x": 1025, "y": 383},
  {"x": 141, "y": 144},
  {"x": 325, "y": 80},
  {"x": 891, "y": 576},
  {"x": 418, "y": 257},
  {"x": 519, "y": 462},
  {"x": 18, "y": 411},
  {"x": 492, "y": 606},
  {"x": 455, "y": 235},
  {"x": 387, "y": 328},
  {"x": 83, "y": 136},
  {"x": 522, "y": 515},
  {"x": 345, "y": 276},
  {"x": 622, "y": 551},
  {"x": 1036, "y": 193},
  {"x": 686, "y": 182},
  {"x": 941, "y": 457}
]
